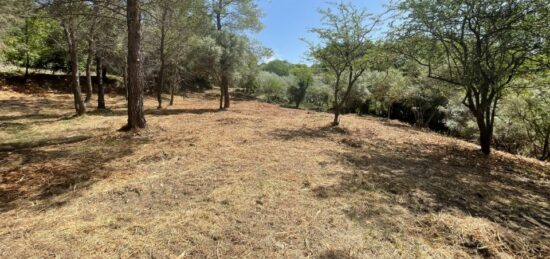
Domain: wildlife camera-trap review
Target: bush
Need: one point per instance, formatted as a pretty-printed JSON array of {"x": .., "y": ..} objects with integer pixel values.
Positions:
[
  {"x": 523, "y": 123},
  {"x": 319, "y": 95},
  {"x": 272, "y": 88},
  {"x": 278, "y": 67}
]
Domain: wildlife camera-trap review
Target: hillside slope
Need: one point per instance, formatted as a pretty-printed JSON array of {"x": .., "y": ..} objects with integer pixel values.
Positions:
[{"x": 255, "y": 181}]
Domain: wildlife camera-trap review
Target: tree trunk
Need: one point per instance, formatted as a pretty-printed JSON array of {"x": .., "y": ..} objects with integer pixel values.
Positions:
[
  {"x": 172, "y": 90},
  {"x": 100, "y": 88},
  {"x": 89, "y": 89},
  {"x": 219, "y": 15},
  {"x": 162, "y": 58},
  {"x": 221, "y": 97},
  {"x": 485, "y": 134},
  {"x": 485, "y": 142},
  {"x": 226, "y": 102},
  {"x": 125, "y": 79},
  {"x": 136, "y": 117},
  {"x": 91, "y": 43},
  {"x": 224, "y": 92},
  {"x": 79, "y": 106},
  {"x": 224, "y": 84},
  {"x": 483, "y": 106},
  {"x": 546, "y": 148},
  {"x": 336, "y": 121},
  {"x": 26, "y": 77},
  {"x": 104, "y": 73}
]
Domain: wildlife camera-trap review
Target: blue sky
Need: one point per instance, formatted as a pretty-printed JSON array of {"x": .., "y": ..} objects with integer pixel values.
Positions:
[{"x": 287, "y": 21}]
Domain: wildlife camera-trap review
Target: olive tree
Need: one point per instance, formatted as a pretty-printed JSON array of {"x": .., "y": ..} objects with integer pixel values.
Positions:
[{"x": 231, "y": 17}]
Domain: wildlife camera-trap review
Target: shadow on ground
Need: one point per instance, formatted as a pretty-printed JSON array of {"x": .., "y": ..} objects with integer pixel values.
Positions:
[
  {"x": 32, "y": 110},
  {"x": 35, "y": 111},
  {"x": 169, "y": 112},
  {"x": 32, "y": 176},
  {"x": 429, "y": 179},
  {"x": 309, "y": 133}
]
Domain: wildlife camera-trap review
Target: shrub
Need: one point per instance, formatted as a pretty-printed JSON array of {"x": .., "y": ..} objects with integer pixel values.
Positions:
[{"x": 271, "y": 87}]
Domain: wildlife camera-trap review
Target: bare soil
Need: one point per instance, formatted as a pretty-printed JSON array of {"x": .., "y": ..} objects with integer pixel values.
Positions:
[{"x": 255, "y": 181}]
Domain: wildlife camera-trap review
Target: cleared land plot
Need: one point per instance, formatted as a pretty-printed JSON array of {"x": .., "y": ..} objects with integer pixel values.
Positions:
[{"x": 255, "y": 181}]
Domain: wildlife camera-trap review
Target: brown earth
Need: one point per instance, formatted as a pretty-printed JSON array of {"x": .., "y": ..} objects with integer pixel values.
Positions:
[{"x": 256, "y": 181}]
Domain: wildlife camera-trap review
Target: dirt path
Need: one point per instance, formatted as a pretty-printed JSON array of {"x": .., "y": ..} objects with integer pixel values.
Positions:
[{"x": 257, "y": 181}]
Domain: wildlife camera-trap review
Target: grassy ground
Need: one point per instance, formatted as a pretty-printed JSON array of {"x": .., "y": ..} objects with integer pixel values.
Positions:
[{"x": 255, "y": 181}]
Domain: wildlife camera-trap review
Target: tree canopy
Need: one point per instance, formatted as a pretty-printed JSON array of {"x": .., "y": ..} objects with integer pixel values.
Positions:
[
  {"x": 471, "y": 69},
  {"x": 480, "y": 46}
]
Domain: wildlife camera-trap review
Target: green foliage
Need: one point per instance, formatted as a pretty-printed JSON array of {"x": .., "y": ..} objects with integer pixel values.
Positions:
[
  {"x": 343, "y": 49},
  {"x": 12, "y": 15},
  {"x": 234, "y": 51},
  {"x": 387, "y": 87},
  {"x": 524, "y": 121},
  {"x": 505, "y": 80},
  {"x": 179, "y": 24},
  {"x": 319, "y": 95},
  {"x": 231, "y": 19},
  {"x": 304, "y": 79},
  {"x": 250, "y": 70},
  {"x": 248, "y": 74},
  {"x": 459, "y": 120},
  {"x": 480, "y": 46},
  {"x": 238, "y": 15},
  {"x": 201, "y": 55},
  {"x": 279, "y": 67},
  {"x": 38, "y": 38},
  {"x": 272, "y": 88}
]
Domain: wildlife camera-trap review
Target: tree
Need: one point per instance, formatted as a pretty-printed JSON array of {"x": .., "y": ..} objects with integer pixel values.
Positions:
[
  {"x": 343, "y": 49},
  {"x": 166, "y": 13},
  {"x": 537, "y": 118},
  {"x": 136, "y": 117},
  {"x": 12, "y": 14},
  {"x": 304, "y": 79},
  {"x": 91, "y": 50},
  {"x": 480, "y": 46},
  {"x": 110, "y": 47},
  {"x": 172, "y": 24},
  {"x": 70, "y": 29},
  {"x": 387, "y": 88},
  {"x": 271, "y": 87},
  {"x": 100, "y": 87},
  {"x": 527, "y": 109},
  {"x": 72, "y": 16},
  {"x": 279, "y": 67},
  {"x": 232, "y": 58},
  {"x": 71, "y": 25},
  {"x": 21, "y": 13},
  {"x": 233, "y": 16},
  {"x": 30, "y": 44}
]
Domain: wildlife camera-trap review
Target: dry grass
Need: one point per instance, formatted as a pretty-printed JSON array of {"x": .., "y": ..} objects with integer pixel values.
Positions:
[{"x": 257, "y": 181}]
